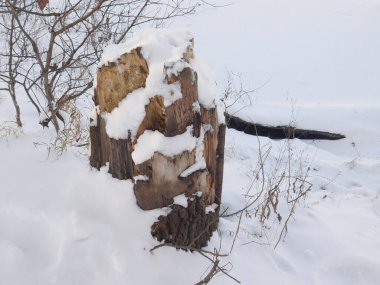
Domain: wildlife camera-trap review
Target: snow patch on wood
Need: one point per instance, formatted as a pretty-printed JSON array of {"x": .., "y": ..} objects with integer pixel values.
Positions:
[
  {"x": 153, "y": 141},
  {"x": 180, "y": 200}
]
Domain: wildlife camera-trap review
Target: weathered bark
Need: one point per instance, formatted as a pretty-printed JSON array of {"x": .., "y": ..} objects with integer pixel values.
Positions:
[
  {"x": 220, "y": 164},
  {"x": 96, "y": 150},
  {"x": 180, "y": 114},
  {"x": 191, "y": 226},
  {"x": 100, "y": 144},
  {"x": 278, "y": 132},
  {"x": 121, "y": 164},
  {"x": 155, "y": 116}
]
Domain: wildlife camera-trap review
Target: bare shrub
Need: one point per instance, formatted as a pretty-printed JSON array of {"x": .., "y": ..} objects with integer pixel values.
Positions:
[
  {"x": 50, "y": 49},
  {"x": 278, "y": 184},
  {"x": 235, "y": 92},
  {"x": 8, "y": 129}
]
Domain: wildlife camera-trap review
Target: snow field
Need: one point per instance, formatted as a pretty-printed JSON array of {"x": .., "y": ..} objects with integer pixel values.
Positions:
[{"x": 63, "y": 223}]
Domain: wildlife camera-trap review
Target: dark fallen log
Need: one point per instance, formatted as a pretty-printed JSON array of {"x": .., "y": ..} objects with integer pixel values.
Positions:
[{"x": 278, "y": 132}]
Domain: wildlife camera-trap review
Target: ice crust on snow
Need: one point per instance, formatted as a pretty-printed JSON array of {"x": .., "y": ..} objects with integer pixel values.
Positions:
[{"x": 161, "y": 48}]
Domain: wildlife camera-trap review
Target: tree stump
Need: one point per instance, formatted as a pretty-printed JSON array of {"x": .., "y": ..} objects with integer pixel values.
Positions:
[{"x": 151, "y": 125}]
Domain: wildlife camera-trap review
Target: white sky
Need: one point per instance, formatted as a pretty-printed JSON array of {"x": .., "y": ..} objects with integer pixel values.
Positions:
[{"x": 315, "y": 51}]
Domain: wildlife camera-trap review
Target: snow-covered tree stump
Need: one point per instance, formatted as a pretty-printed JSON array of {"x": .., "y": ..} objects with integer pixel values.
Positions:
[{"x": 158, "y": 122}]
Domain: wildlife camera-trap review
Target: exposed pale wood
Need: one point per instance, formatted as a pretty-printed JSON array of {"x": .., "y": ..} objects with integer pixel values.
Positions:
[
  {"x": 165, "y": 181},
  {"x": 117, "y": 80}
]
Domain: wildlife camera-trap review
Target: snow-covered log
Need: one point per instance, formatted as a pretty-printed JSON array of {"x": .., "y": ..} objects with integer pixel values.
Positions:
[
  {"x": 278, "y": 132},
  {"x": 158, "y": 119}
]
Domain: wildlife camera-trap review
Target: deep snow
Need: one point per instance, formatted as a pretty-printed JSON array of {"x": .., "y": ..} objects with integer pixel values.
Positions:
[{"x": 64, "y": 223}]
